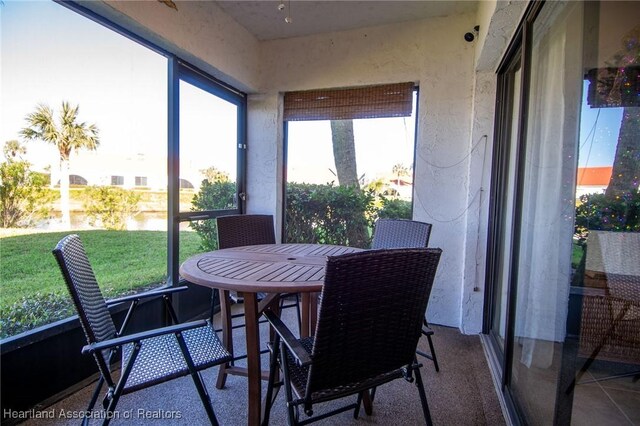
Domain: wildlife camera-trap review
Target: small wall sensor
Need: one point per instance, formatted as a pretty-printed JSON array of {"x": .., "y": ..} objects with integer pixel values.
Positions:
[{"x": 470, "y": 36}]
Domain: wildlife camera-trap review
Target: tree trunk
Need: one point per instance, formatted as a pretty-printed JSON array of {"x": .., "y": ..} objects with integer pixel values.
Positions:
[
  {"x": 344, "y": 152},
  {"x": 64, "y": 193},
  {"x": 344, "y": 155},
  {"x": 626, "y": 166}
]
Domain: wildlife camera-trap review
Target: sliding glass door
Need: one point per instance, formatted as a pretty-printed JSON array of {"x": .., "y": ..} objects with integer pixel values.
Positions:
[
  {"x": 544, "y": 231},
  {"x": 563, "y": 310}
]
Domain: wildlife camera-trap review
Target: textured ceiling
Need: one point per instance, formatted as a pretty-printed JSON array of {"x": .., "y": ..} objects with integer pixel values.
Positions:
[{"x": 266, "y": 22}]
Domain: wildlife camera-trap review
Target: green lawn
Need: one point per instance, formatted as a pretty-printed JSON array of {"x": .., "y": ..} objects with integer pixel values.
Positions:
[
  {"x": 576, "y": 255},
  {"x": 122, "y": 261}
]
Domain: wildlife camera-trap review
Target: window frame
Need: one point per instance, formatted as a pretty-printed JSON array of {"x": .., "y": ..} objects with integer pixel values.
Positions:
[
  {"x": 57, "y": 337},
  {"x": 174, "y": 217},
  {"x": 117, "y": 180},
  {"x": 183, "y": 71},
  {"x": 519, "y": 49},
  {"x": 285, "y": 162}
]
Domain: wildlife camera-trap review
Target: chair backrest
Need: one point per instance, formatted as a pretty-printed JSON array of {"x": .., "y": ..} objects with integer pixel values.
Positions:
[
  {"x": 361, "y": 331},
  {"x": 245, "y": 230},
  {"x": 82, "y": 285},
  {"x": 400, "y": 233}
]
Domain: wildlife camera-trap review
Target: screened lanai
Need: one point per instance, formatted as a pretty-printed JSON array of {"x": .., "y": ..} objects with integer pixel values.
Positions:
[{"x": 505, "y": 105}]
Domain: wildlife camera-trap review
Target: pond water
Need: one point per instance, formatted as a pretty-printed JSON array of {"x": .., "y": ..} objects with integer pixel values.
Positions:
[{"x": 144, "y": 221}]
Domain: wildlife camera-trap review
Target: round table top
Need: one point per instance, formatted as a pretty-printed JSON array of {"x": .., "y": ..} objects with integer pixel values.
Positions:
[{"x": 266, "y": 268}]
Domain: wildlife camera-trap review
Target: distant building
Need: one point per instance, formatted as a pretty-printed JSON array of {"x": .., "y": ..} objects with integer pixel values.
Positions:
[
  {"x": 140, "y": 171},
  {"x": 402, "y": 186},
  {"x": 593, "y": 179}
]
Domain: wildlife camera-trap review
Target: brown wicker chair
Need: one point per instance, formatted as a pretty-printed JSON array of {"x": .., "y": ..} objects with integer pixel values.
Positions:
[
  {"x": 401, "y": 233},
  {"x": 610, "y": 318},
  {"x": 610, "y": 322},
  {"x": 363, "y": 337},
  {"x": 237, "y": 231},
  {"x": 149, "y": 357},
  {"x": 245, "y": 230}
]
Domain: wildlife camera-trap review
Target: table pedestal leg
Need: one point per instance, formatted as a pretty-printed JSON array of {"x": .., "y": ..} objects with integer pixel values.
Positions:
[
  {"x": 313, "y": 312},
  {"x": 309, "y": 312},
  {"x": 254, "y": 372},
  {"x": 304, "y": 311}
]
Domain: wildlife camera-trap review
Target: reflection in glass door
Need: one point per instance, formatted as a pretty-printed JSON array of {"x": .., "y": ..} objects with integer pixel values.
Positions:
[{"x": 607, "y": 240}]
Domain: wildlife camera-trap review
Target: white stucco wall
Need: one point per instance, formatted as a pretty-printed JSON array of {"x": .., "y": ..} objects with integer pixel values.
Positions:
[
  {"x": 455, "y": 127},
  {"x": 479, "y": 171},
  {"x": 264, "y": 156},
  {"x": 457, "y": 94},
  {"x": 431, "y": 53},
  {"x": 497, "y": 21}
]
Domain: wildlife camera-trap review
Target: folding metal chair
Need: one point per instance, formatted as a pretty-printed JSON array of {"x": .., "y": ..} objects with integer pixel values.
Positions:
[{"x": 149, "y": 357}]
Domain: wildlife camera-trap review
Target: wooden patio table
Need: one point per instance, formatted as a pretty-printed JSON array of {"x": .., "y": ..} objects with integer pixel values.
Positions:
[{"x": 267, "y": 268}]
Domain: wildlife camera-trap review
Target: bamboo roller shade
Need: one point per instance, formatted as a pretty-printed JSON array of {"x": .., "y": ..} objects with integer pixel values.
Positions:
[{"x": 389, "y": 100}]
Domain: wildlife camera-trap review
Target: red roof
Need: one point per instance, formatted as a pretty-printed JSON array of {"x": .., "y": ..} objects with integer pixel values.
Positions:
[
  {"x": 594, "y": 176},
  {"x": 400, "y": 182}
]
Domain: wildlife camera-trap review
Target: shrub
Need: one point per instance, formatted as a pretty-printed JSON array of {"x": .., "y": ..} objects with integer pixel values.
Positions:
[
  {"x": 24, "y": 196},
  {"x": 393, "y": 208},
  {"x": 33, "y": 311},
  {"x": 328, "y": 214},
  {"x": 599, "y": 212},
  {"x": 217, "y": 192},
  {"x": 324, "y": 214},
  {"x": 110, "y": 207}
]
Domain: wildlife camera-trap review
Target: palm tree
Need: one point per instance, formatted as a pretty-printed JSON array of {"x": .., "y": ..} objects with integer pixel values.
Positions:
[
  {"x": 67, "y": 135},
  {"x": 14, "y": 149},
  {"x": 344, "y": 152},
  {"x": 344, "y": 156},
  {"x": 626, "y": 165},
  {"x": 400, "y": 170},
  {"x": 376, "y": 186}
]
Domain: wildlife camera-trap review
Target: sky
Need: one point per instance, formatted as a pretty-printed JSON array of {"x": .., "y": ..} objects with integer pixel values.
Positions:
[
  {"x": 599, "y": 129},
  {"x": 50, "y": 54},
  {"x": 379, "y": 143}
]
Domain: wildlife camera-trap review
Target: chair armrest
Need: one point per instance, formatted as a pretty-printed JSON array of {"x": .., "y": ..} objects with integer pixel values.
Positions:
[
  {"x": 146, "y": 295},
  {"x": 297, "y": 350},
  {"x": 136, "y": 337}
]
